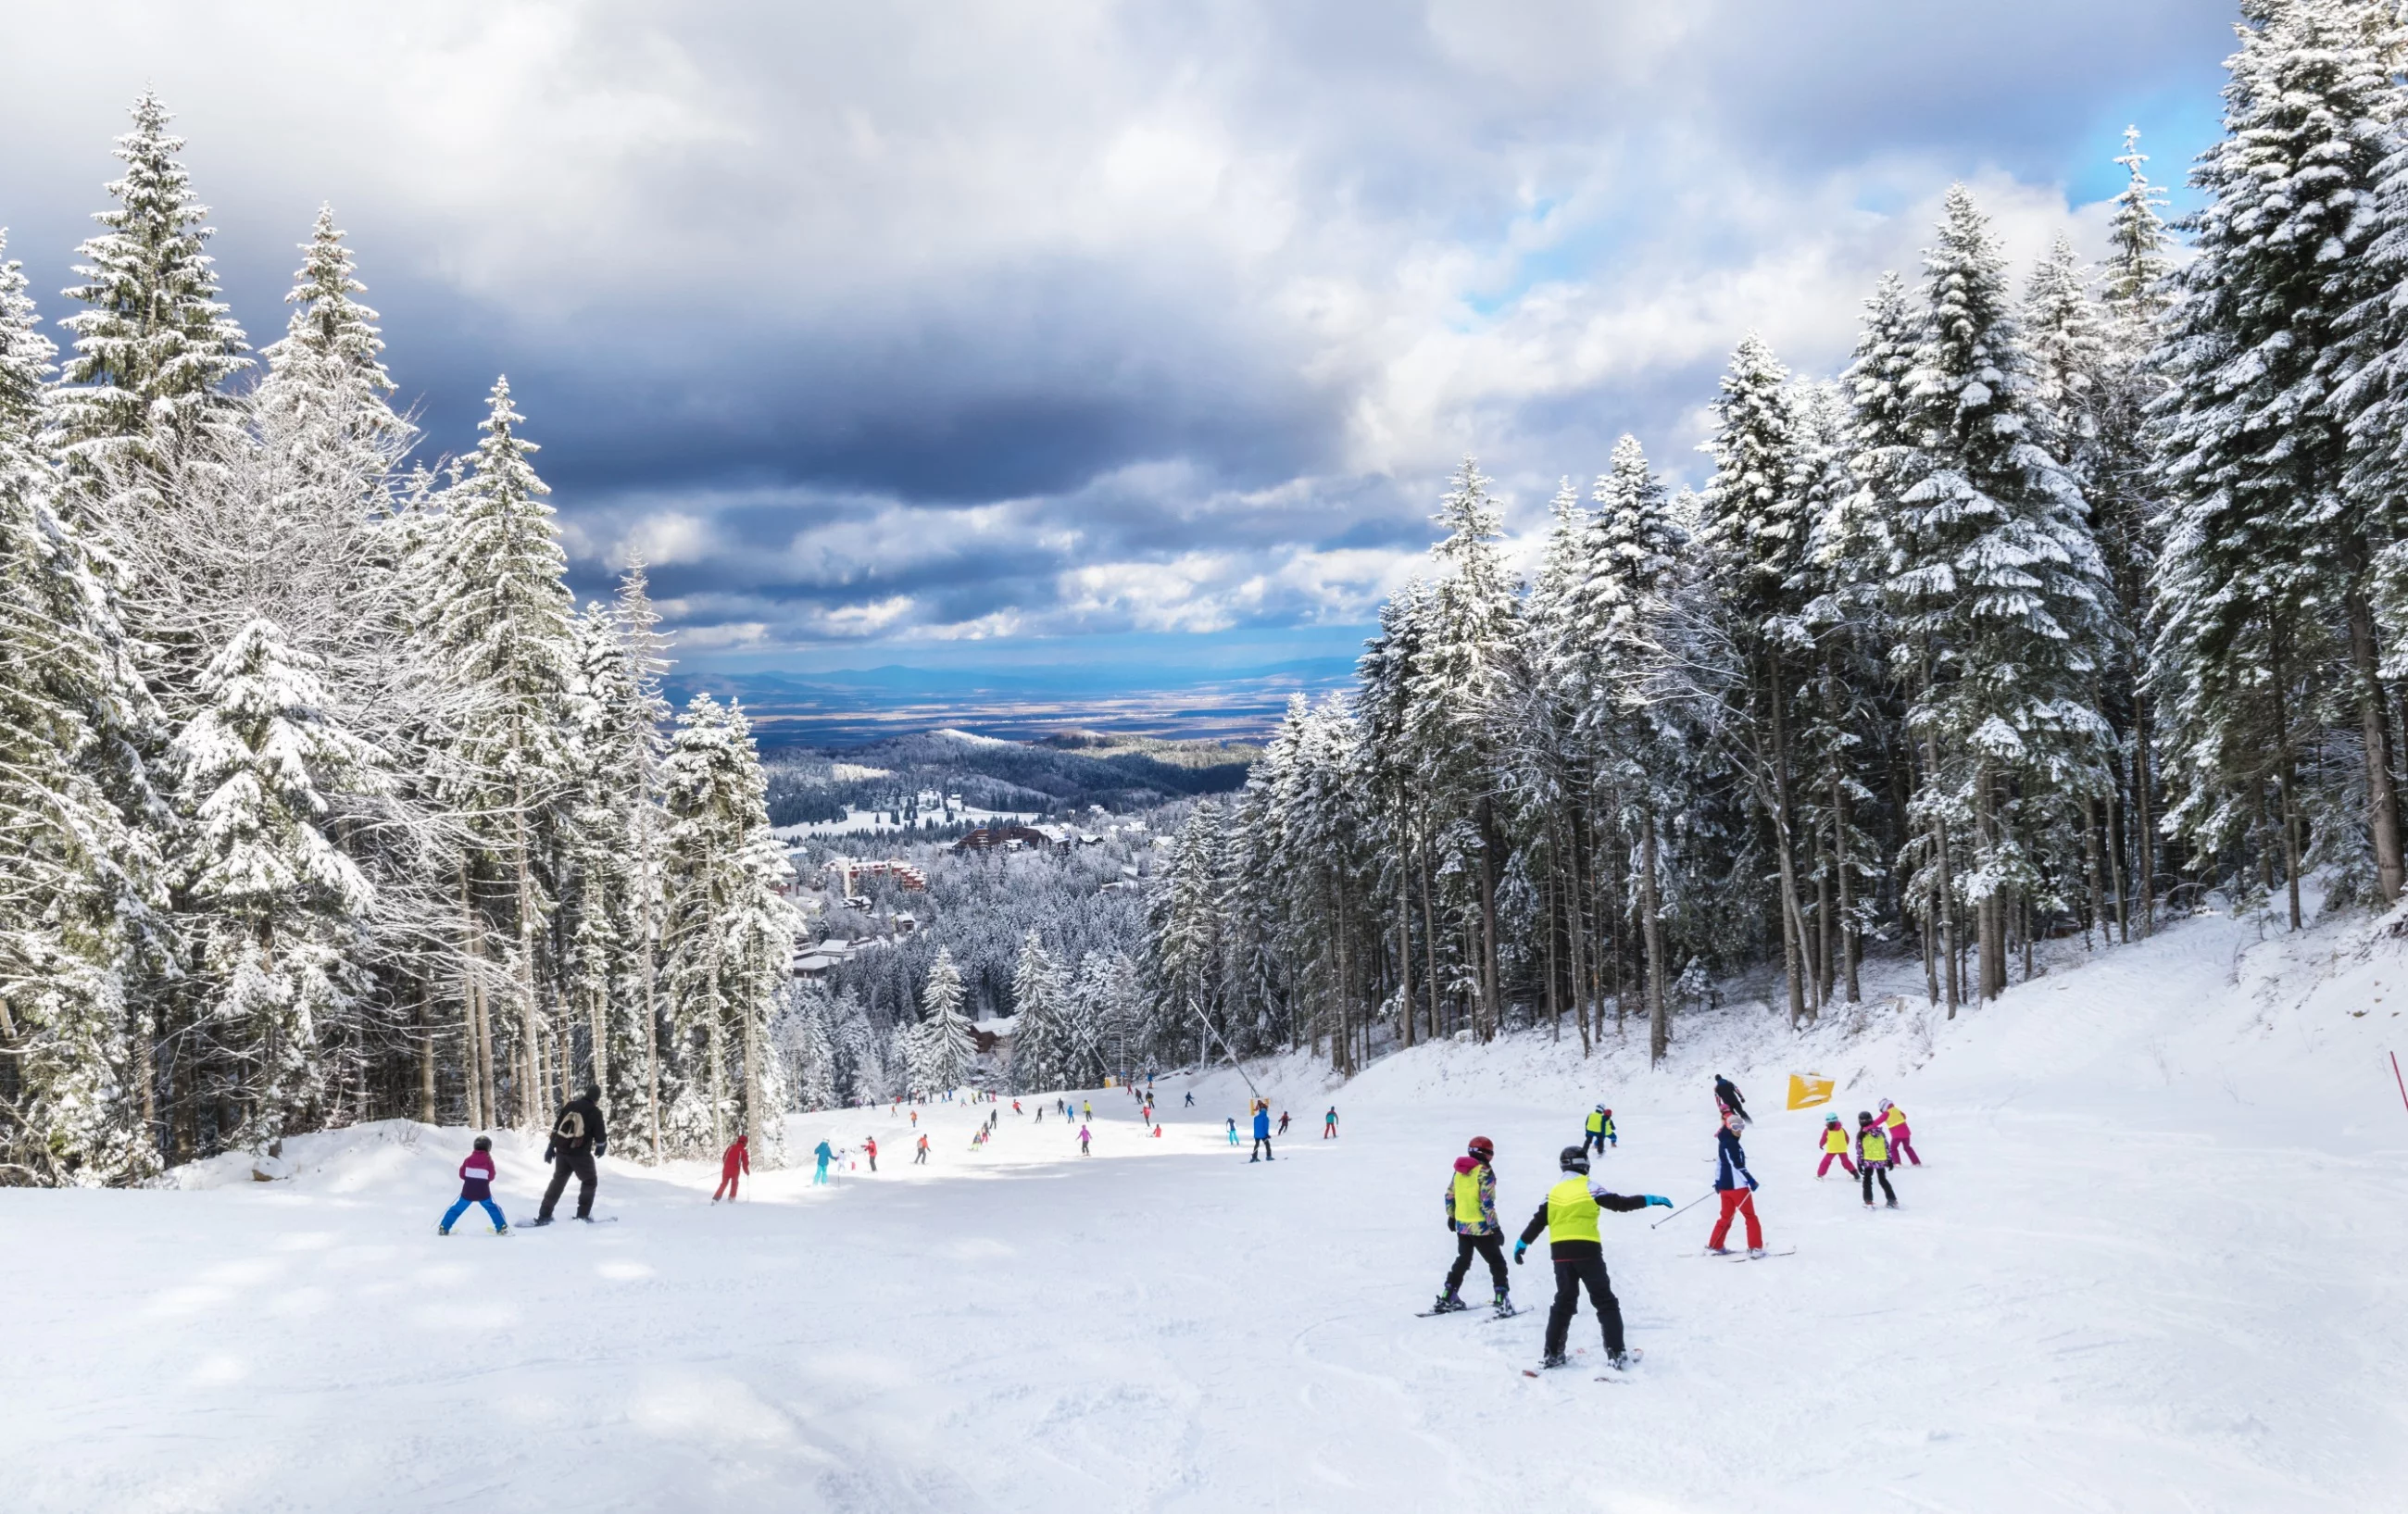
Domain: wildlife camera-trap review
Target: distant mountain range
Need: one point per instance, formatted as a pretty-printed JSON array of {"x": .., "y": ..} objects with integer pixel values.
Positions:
[
  {"x": 851, "y": 707},
  {"x": 1064, "y": 772}
]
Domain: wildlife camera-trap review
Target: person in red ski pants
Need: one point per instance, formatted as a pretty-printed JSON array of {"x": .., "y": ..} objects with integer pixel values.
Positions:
[
  {"x": 1736, "y": 1187},
  {"x": 738, "y": 1162},
  {"x": 1835, "y": 1145}
]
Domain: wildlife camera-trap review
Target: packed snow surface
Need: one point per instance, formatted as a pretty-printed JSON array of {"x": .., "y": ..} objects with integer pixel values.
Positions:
[{"x": 2154, "y": 1261}]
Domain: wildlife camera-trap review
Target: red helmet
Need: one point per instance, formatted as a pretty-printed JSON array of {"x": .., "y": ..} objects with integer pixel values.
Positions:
[{"x": 1483, "y": 1148}]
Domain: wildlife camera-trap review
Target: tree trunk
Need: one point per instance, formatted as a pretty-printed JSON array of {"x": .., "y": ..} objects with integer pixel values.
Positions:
[
  {"x": 1405, "y": 927},
  {"x": 1490, "y": 844},
  {"x": 2382, "y": 797},
  {"x": 2290, "y": 783},
  {"x": 2097, "y": 915},
  {"x": 1944, "y": 896},
  {"x": 2144, "y": 824},
  {"x": 1659, "y": 1031},
  {"x": 527, "y": 1113},
  {"x": 1793, "y": 934}
]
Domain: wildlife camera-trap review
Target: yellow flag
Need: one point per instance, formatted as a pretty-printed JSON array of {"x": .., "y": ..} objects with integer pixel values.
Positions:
[{"x": 1809, "y": 1091}]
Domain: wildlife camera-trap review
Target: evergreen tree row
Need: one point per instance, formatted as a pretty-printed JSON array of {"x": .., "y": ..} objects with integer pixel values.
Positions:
[
  {"x": 2059, "y": 607},
  {"x": 322, "y": 801}
]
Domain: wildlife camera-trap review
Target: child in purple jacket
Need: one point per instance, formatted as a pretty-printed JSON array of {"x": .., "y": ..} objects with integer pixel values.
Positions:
[{"x": 477, "y": 1187}]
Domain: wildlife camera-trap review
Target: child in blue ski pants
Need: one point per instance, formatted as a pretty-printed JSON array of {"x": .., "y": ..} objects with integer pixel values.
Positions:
[{"x": 452, "y": 1215}]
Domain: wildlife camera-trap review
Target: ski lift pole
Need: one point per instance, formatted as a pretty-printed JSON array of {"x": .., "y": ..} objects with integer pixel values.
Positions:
[
  {"x": 1207, "y": 1022},
  {"x": 1682, "y": 1209},
  {"x": 2397, "y": 1078}
]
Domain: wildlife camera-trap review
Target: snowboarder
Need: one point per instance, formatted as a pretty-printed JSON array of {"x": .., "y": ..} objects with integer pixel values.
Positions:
[
  {"x": 1595, "y": 1140},
  {"x": 1262, "y": 1133},
  {"x": 1737, "y": 1187},
  {"x": 1471, "y": 1215},
  {"x": 733, "y": 1162},
  {"x": 1569, "y": 1216},
  {"x": 475, "y": 1187},
  {"x": 578, "y": 1138},
  {"x": 1873, "y": 1158},
  {"x": 1901, "y": 1140},
  {"x": 1083, "y": 1138},
  {"x": 1727, "y": 1099},
  {"x": 1282, "y": 1130},
  {"x": 826, "y": 1154},
  {"x": 869, "y": 1148},
  {"x": 1233, "y": 1130},
  {"x": 1329, "y": 1124},
  {"x": 1835, "y": 1144},
  {"x": 919, "y": 1158}
]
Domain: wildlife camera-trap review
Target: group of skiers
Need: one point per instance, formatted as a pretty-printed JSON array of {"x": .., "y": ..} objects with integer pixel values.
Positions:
[
  {"x": 1569, "y": 1214},
  {"x": 578, "y": 1136}
]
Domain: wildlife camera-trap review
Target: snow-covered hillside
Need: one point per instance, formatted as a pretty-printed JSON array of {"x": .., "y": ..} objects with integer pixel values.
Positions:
[{"x": 2152, "y": 1261}]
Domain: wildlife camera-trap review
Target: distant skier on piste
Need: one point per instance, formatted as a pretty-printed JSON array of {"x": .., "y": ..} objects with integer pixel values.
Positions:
[
  {"x": 1735, "y": 1186},
  {"x": 869, "y": 1148},
  {"x": 1569, "y": 1216},
  {"x": 733, "y": 1165},
  {"x": 919, "y": 1158},
  {"x": 475, "y": 1187},
  {"x": 826, "y": 1154},
  {"x": 1262, "y": 1133},
  {"x": 1727, "y": 1099},
  {"x": 1283, "y": 1125},
  {"x": 1901, "y": 1139},
  {"x": 1599, "y": 1129},
  {"x": 1835, "y": 1145},
  {"x": 578, "y": 1138},
  {"x": 1329, "y": 1124},
  {"x": 1471, "y": 1215}
]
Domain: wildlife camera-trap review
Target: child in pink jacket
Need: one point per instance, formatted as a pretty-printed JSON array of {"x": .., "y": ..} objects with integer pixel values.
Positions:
[{"x": 477, "y": 1187}]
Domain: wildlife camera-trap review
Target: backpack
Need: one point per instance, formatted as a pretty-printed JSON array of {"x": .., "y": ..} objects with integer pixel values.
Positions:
[{"x": 571, "y": 1128}]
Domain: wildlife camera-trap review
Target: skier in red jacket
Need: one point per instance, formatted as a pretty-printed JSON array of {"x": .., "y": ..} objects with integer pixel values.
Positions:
[{"x": 732, "y": 1167}]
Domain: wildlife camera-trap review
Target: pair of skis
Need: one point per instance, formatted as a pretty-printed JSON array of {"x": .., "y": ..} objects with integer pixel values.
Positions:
[{"x": 1506, "y": 1312}]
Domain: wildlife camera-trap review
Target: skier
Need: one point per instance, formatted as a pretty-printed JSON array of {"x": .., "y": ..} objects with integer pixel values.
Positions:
[
  {"x": 475, "y": 1187},
  {"x": 1086, "y": 1110},
  {"x": 1282, "y": 1130},
  {"x": 915, "y": 1119},
  {"x": 1329, "y": 1124},
  {"x": 1016, "y": 1107},
  {"x": 1835, "y": 1144},
  {"x": 826, "y": 1154},
  {"x": 1262, "y": 1132},
  {"x": 919, "y": 1158},
  {"x": 1873, "y": 1158},
  {"x": 1471, "y": 1215},
  {"x": 736, "y": 1160},
  {"x": 1233, "y": 1130},
  {"x": 1569, "y": 1216},
  {"x": 869, "y": 1148},
  {"x": 1596, "y": 1137},
  {"x": 1737, "y": 1186},
  {"x": 1083, "y": 1141},
  {"x": 1191, "y": 1101},
  {"x": 1727, "y": 1100},
  {"x": 1901, "y": 1140},
  {"x": 576, "y": 1138}
]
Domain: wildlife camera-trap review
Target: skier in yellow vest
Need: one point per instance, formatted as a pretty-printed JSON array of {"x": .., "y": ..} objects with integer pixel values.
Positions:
[
  {"x": 1901, "y": 1139},
  {"x": 1471, "y": 1215},
  {"x": 1835, "y": 1147},
  {"x": 1601, "y": 1129},
  {"x": 1873, "y": 1158},
  {"x": 1569, "y": 1216}
]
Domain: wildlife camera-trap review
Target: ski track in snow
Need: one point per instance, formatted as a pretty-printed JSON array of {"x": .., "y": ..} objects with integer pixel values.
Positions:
[{"x": 2154, "y": 1263}]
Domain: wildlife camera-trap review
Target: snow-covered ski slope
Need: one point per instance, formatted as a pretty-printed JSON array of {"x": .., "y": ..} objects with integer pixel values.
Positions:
[{"x": 2154, "y": 1262}]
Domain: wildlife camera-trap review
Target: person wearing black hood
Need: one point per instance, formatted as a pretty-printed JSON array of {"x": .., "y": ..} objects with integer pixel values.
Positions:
[
  {"x": 578, "y": 1136},
  {"x": 1726, "y": 1098}
]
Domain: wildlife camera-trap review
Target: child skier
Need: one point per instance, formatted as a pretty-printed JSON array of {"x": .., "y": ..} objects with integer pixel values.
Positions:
[
  {"x": 1569, "y": 1216},
  {"x": 1329, "y": 1124},
  {"x": 1737, "y": 1187},
  {"x": 1873, "y": 1158},
  {"x": 1282, "y": 1130},
  {"x": 1835, "y": 1144},
  {"x": 475, "y": 1187},
  {"x": 734, "y": 1161},
  {"x": 1594, "y": 1139},
  {"x": 869, "y": 1148},
  {"x": 1262, "y": 1133},
  {"x": 919, "y": 1158},
  {"x": 1471, "y": 1214},
  {"x": 1083, "y": 1141},
  {"x": 1901, "y": 1140},
  {"x": 826, "y": 1154},
  {"x": 1233, "y": 1130}
]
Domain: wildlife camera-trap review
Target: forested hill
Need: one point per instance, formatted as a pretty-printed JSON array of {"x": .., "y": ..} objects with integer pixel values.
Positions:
[{"x": 1069, "y": 770}]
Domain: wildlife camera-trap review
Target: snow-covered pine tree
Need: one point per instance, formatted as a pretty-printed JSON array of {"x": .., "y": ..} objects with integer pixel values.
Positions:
[
  {"x": 501, "y": 624},
  {"x": 155, "y": 347},
  {"x": 273, "y": 908},
  {"x": 76, "y": 878},
  {"x": 1998, "y": 595},
  {"x": 943, "y": 1043},
  {"x": 1754, "y": 534},
  {"x": 1183, "y": 937},
  {"x": 637, "y": 726},
  {"x": 1040, "y": 1042},
  {"x": 326, "y": 400}
]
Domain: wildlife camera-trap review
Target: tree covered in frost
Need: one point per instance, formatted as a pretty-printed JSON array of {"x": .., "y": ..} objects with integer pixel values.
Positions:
[{"x": 941, "y": 1044}]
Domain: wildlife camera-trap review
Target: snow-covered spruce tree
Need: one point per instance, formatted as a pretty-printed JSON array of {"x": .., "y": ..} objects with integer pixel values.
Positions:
[
  {"x": 727, "y": 934},
  {"x": 76, "y": 877},
  {"x": 1323, "y": 862},
  {"x": 1384, "y": 679},
  {"x": 1038, "y": 1033},
  {"x": 1545, "y": 777},
  {"x": 598, "y": 921},
  {"x": 1998, "y": 599},
  {"x": 1184, "y": 921},
  {"x": 809, "y": 1048},
  {"x": 501, "y": 622},
  {"x": 272, "y": 910},
  {"x": 1754, "y": 536},
  {"x": 635, "y": 722},
  {"x": 155, "y": 347},
  {"x": 326, "y": 397},
  {"x": 943, "y": 1044}
]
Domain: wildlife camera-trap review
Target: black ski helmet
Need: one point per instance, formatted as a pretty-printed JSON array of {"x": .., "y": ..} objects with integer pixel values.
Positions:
[
  {"x": 1864, "y": 1116},
  {"x": 484, "y": 1143},
  {"x": 1573, "y": 1159}
]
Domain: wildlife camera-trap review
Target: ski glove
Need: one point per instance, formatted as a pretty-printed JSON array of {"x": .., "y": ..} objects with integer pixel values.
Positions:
[
  {"x": 549, "y": 1154},
  {"x": 1519, "y": 1247},
  {"x": 1657, "y": 1199}
]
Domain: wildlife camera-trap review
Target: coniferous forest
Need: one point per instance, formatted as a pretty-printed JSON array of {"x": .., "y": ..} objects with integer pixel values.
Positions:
[
  {"x": 2080, "y": 593},
  {"x": 324, "y": 801}
]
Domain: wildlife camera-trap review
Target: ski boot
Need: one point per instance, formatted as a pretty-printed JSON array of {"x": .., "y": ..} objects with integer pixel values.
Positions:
[
  {"x": 1503, "y": 1303},
  {"x": 443, "y": 1230},
  {"x": 1554, "y": 1359},
  {"x": 1718, "y": 1250},
  {"x": 541, "y": 1220},
  {"x": 1893, "y": 1203},
  {"x": 1448, "y": 1302},
  {"x": 1754, "y": 1252},
  {"x": 1619, "y": 1361}
]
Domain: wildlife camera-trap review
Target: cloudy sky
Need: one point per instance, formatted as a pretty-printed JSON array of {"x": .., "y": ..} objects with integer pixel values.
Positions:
[{"x": 951, "y": 335}]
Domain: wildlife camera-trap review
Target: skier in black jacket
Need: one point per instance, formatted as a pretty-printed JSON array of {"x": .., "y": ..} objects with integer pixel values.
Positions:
[
  {"x": 1569, "y": 1214},
  {"x": 578, "y": 1136},
  {"x": 1726, "y": 1096}
]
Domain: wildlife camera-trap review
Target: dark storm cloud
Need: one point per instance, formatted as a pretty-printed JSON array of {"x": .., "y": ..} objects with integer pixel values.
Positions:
[{"x": 875, "y": 322}]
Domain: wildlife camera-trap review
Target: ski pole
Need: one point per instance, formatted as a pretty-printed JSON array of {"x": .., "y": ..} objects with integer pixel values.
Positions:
[
  {"x": 1682, "y": 1209},
  {"x": 2397, "y": 1078}
]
